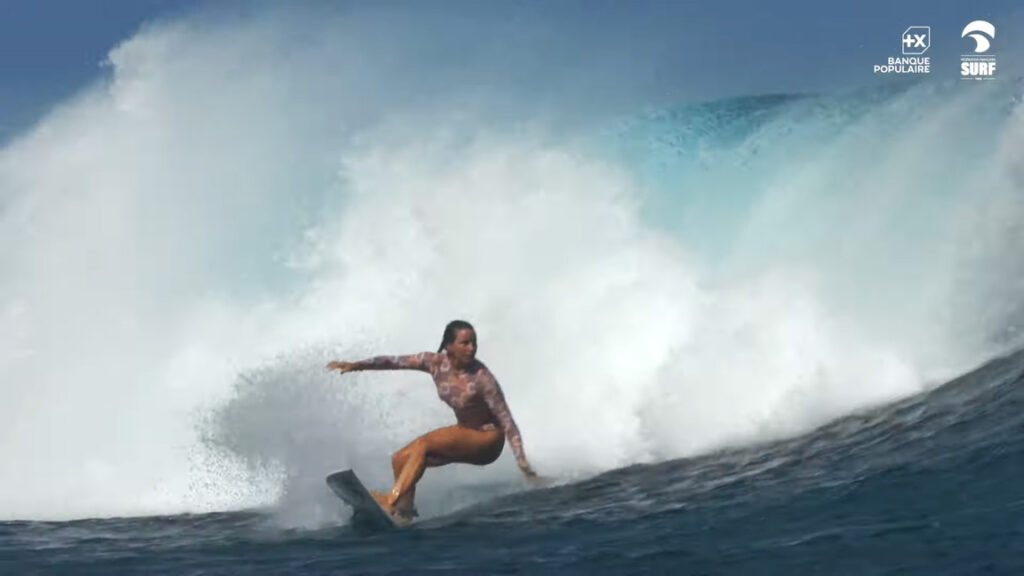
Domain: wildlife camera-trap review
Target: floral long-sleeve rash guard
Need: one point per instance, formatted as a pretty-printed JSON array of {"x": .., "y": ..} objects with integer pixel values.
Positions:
[{"x": 474, "y": 395}]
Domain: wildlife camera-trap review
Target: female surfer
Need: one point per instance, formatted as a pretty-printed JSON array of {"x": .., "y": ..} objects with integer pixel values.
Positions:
[{"x": 482, "y": 416}]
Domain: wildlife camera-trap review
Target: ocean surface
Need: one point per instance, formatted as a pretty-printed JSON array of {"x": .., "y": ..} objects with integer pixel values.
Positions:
[
  {"x": 769, "y": 334},
  {"x": 928, "y": 485}
]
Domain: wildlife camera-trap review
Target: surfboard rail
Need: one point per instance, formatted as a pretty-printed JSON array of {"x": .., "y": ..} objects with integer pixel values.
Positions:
[{"x": 366, "y": 512}]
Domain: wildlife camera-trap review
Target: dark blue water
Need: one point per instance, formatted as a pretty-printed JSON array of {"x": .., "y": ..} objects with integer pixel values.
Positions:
[{"x": 932, "y": 484}]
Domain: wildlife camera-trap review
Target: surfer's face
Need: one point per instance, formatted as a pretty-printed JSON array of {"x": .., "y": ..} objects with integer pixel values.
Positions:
[{"x": 463, "y": 349}]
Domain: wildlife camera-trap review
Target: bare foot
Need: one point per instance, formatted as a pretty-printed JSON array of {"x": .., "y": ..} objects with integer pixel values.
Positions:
[
  {"x": 382, "y": 500},
  {"x": 402, "y": 514}
]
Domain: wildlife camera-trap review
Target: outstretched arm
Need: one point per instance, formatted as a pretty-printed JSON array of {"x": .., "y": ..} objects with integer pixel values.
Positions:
[
  {"x": 421, "y": 362},
  {"x": 495, "y": 400}
]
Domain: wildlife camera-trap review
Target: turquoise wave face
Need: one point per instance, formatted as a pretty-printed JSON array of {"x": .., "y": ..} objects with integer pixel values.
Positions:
[
  {"x": 888, "y": 152},
  {"x": 897, "y": 190}
]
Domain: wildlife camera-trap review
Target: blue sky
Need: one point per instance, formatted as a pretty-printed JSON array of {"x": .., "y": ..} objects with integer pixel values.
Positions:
[{"x": 51, "y": 48}]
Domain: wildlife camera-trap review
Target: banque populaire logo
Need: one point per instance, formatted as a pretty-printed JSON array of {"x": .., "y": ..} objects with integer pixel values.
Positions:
[
  {"x": 914, "y": 42},
  {"x": 980, "y": 64}
]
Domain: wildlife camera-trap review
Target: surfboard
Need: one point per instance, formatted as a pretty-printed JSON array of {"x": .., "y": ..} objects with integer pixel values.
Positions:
[{"x": 365, "y": 510}]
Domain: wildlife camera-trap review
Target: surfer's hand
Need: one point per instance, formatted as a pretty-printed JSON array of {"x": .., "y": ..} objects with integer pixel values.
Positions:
[
  {"x": 534, "y": 480},
  {"x": 341, "y": 367},
  {"x": 525, "y": 467}
]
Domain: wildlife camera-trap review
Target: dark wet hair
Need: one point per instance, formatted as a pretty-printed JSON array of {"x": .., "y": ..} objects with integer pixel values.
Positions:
[{"x": 451, "y": 330}]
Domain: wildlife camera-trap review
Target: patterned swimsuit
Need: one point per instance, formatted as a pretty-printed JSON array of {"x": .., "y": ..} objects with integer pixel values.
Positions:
[{"x": 474, "y": 395}]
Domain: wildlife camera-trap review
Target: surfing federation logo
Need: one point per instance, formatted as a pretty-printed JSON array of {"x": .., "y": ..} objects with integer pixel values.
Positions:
[
  {"x": 980, "y": 65},
  {"x": 914, "y": 42}
]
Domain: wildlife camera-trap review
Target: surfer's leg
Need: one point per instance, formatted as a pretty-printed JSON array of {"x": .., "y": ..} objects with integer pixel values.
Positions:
[
  {"x": 404, "y": 504},
  {"x": 437, "y": 448}
]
